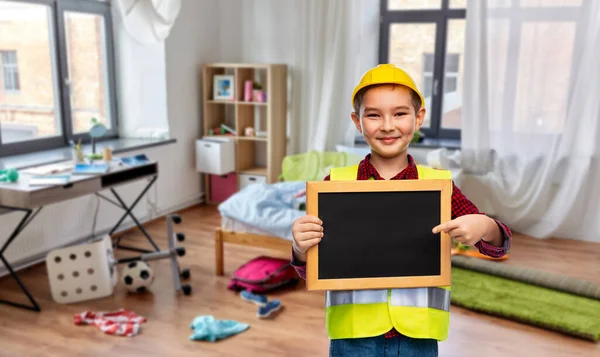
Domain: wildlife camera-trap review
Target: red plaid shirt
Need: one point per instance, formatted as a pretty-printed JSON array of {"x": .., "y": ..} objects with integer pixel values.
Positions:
[{"x": 460, "y": 207}]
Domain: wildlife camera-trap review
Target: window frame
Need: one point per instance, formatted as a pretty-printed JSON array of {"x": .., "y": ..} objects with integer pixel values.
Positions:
[
  {"x": 440, "y": 18},
  {"x": 58, "y": 10}
]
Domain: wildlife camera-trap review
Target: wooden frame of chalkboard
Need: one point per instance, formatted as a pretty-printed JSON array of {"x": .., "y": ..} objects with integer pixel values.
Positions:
[{"x": 377, "y": 234}]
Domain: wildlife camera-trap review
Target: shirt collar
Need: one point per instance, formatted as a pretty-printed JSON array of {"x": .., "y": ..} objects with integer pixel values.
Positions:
[{"x": 366, "y": 170}]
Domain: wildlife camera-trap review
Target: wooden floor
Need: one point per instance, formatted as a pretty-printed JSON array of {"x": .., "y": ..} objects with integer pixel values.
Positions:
[{"x": 298, "y": 329}]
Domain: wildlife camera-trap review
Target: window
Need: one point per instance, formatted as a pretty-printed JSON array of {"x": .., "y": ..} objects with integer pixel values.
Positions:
[
  {"x": 10, "y": 71},
  {"x": 57, "y": 75},
  {"x": 426, "y": 38}
]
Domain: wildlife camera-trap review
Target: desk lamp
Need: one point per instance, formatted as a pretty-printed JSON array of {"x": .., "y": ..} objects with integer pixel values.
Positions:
[{"x": 97, "y": 130}]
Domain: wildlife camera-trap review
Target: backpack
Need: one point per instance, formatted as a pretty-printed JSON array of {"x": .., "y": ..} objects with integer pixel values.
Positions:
[{"x": 263, "y": 274}]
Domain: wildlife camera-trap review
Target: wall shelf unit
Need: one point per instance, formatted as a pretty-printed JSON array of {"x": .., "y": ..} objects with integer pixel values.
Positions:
[{"x": 257, "y": 157}]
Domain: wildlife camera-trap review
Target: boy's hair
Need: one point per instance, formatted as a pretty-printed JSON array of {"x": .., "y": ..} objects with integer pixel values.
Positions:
[{"x": 415, "y": 99}]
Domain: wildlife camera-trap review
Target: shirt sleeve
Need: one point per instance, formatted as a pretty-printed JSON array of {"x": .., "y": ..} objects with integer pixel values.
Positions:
[
  {"x": 461, "y": 206},
  {"x": 299, "y": 266}
]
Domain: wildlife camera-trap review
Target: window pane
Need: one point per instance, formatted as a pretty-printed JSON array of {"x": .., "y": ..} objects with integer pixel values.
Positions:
[
  {"x": 414, "y": 4},
  {"x": 410, "y": 46},
  {"x": 458, "y": 4},
  {"x": 86, "y": 52},
  {"x": 452, "y": 100},
  {"x": 29, "y": 107}
]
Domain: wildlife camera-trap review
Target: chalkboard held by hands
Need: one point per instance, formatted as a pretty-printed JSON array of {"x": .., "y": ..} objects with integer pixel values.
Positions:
[{"x": 378, "y": 234}]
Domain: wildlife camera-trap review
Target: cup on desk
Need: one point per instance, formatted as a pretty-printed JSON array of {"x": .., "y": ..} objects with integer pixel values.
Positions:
[{"x": 107, "y": 154}]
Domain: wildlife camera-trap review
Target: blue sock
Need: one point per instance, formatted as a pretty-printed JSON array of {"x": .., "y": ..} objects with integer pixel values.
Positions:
[
  {"x": 259, "y": 300},
  {"x": 269, "y": 308}
]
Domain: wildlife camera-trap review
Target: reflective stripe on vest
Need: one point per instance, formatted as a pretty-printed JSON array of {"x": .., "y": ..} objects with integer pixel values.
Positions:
[
  {"x": 343, "y": 297},
  {"x": 434, "y": 298}
]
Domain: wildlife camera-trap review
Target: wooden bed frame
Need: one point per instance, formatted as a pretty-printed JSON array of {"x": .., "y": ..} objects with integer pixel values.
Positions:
[{"x": 247, "y": 239}]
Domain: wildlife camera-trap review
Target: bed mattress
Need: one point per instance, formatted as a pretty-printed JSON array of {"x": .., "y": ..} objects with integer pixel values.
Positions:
[{"x": 231, "y": 224}]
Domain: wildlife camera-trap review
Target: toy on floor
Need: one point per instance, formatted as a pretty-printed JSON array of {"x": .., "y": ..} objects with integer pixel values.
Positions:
[
  {"x": 137, "y": 277},
  {"x": 209, "y": 329},
  {"x": 171, "y": 254},
  {"x": 9, "y": 175}
]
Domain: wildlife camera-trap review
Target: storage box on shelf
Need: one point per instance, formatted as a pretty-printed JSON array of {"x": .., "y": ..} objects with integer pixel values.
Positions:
[{"x": 250, "y": 113}]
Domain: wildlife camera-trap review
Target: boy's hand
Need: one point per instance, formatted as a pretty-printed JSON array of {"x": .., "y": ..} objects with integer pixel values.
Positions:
[
  {"x": 307, "y": 231},
  {"x": 471, "y": 228}
]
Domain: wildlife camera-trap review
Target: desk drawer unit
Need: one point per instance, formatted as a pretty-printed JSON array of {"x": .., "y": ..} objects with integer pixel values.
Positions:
[
  {"x": 54, "y": 194},
  {"x": 215, "y": 156}
]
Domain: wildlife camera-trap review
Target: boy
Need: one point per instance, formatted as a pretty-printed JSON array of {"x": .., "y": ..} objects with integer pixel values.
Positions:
[{"x": 388, "y": 109}]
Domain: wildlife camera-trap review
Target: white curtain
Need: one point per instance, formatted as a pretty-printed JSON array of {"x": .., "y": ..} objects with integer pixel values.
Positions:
[
  {"x": 147, "y": 21},
  {"x": 328, "y": 45},
  {"x": 141, "y": 28},
  {"x": 530, "y": 130}
]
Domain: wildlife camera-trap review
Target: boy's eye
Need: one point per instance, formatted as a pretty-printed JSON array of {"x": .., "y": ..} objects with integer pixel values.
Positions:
[
  {"x": 400, "y": 114},
  {"x": 372, "y": 115}
]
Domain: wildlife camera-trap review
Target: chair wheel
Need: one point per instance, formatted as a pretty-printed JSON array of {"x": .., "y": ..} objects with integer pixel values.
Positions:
[
  {"x": 180, "y": 251},
  {"x": 187, "y": 290},
  {"x": 176, "y": 218},
  {"x": 180, "y": 237},
  {"x": 185, "y": 274}
]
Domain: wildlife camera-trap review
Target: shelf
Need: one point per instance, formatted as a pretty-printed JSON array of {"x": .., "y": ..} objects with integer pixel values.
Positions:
[
  {"x": 255, "y": 171},
  {"x": 221, "y": 101},
  {"x": 241, "y": 102},
  {"x": 253, "y": 138}
]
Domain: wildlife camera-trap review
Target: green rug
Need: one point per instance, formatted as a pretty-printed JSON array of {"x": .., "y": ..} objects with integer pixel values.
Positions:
[{"x": 539, "y": 306}]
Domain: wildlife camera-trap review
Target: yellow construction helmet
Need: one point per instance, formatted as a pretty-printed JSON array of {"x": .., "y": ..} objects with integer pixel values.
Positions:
[{"x": 387, "y": 74}]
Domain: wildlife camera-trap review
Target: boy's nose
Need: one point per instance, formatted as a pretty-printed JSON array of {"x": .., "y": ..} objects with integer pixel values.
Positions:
[{"x": 387, "y": 124}]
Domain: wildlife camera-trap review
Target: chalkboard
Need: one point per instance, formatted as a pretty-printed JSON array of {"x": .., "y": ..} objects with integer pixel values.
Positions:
[{"x": 378, "y": 234}]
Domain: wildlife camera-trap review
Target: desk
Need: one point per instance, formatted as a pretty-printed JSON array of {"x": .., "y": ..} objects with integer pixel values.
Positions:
[{"x": 20, "y": 197}]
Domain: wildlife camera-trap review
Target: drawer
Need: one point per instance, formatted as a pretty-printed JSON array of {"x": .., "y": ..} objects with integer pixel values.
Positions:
[
  {"x": 215, "y": 156},
  {"x": 247, "y": 180},
  {"x": 222, "y": 186}
]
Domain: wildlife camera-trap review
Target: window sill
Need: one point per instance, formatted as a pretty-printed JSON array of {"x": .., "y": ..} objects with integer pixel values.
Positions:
[
  {"x": 118, "y": 146},
  {"x": 434, "y": 143},
  {"x": 427, "y": 143}
]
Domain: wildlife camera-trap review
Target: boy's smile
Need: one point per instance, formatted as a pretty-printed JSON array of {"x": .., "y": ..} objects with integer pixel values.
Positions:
[{"x": 387, "y": 119}]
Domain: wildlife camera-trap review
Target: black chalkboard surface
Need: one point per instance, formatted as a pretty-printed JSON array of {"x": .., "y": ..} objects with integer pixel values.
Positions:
[{"x": 377, "y": 234}]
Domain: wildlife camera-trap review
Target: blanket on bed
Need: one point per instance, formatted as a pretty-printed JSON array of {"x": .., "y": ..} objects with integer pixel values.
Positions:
[{"x": 269, "y": 207}]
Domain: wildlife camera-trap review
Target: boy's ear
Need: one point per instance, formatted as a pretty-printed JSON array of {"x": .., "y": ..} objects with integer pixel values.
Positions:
[
  {"x": 356, "y": 121},
  {"x": 420, "y": 118}
]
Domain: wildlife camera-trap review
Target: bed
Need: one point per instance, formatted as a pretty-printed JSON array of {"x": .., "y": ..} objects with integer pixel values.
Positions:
[{"x": 260, "y": 215}]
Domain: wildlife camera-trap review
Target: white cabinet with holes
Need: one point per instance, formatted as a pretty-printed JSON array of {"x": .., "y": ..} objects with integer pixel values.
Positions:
[{"x": 247, "y": 180}]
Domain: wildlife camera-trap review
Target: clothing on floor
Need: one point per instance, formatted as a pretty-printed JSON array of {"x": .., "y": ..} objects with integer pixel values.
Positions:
[
  {"x": 209, "y": 329},
  {"x": 118, "y": 323}
]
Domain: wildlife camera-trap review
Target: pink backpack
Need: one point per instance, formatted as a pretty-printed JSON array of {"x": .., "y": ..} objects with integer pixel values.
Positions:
[{"x": 263, "y": 274}]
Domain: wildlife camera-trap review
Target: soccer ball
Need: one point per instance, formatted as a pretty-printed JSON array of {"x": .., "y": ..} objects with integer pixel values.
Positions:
[{"x": 137, "y": 276}]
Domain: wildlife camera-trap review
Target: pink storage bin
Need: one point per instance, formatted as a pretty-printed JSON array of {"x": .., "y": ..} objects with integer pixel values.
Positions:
[{"x": 222, "y": 186}]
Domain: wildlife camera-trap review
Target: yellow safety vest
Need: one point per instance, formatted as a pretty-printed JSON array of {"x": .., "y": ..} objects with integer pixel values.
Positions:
[{"x": 414, "y": 312}]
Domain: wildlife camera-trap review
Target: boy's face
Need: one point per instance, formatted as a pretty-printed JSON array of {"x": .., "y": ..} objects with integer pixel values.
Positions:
[{"x": 387, "y": 119}]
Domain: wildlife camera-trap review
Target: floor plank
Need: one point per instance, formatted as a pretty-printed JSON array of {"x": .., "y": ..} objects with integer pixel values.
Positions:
[{"x": 298, "y": 330}]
